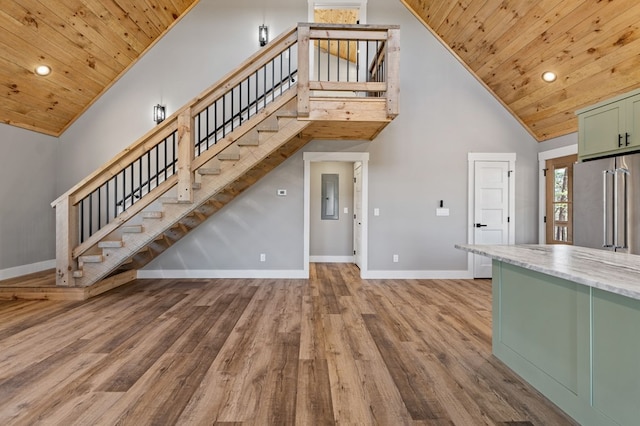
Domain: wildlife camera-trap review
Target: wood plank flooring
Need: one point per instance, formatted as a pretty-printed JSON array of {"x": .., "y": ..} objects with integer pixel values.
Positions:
[{"x": 333, "y": 349}]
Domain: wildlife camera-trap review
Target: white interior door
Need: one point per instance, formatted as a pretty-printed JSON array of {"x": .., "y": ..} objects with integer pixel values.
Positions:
[
  {"x": 491, "y": 212},
  {"x": 357, "y": 213}
]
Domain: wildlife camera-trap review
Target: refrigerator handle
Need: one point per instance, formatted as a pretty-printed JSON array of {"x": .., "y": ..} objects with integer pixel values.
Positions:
[
  {"x": 616, "y": 200},
  {"x": 625, "y": 198},
  {"x": 605, "y": 193}
]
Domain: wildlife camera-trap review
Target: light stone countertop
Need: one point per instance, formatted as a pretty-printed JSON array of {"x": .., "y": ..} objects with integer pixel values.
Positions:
[{"x": 614, "y": 272}]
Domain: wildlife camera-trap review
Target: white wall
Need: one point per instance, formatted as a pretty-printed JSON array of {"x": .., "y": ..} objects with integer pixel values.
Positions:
[
  {"x": 419, "y": 159},
  {"x": 27, "y": 187}
]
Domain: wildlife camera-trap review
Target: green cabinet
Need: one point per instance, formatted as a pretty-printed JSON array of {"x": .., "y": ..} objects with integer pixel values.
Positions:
[
  {"x": 578, "y": 345},
  {"x": 610, "y": 127}
]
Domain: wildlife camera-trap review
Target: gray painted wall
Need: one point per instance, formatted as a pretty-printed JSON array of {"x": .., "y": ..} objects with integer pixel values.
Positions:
[
  {"x": 27, "y": 187},
  {"x": 417, "y": 160},
  {"x": 331, "y": 237}
]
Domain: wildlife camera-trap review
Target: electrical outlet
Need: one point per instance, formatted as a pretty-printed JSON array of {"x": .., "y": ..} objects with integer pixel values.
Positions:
[
  {"x": 395, "y": 258},
  {"x": 263, "y": 257}
]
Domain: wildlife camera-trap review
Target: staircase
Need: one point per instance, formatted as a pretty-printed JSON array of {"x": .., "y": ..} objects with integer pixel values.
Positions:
[{"x": 171, "y": 180}]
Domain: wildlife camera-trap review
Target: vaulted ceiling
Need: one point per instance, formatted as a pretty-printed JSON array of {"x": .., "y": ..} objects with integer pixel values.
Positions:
[
  {"x": 87, "y": 44},
  {"x": 592, "y": 45}
]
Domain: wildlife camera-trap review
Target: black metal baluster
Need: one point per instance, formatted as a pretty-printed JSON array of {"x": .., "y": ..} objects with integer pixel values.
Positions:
[
  {"x": 100, "y": 207},
  {"x": 164, "y": 147},
  {"x": 90, "y": 214},
  {"x": 175, "y": 156},
  {"x": 132, "y": 184},
  {"x": 149, "y": 171},
  {"x": 124, "y": 190},
  {"x": 107, "y": 201},
  {"x": 157, "y": 147},
  {"x": 82, "y": 221}
]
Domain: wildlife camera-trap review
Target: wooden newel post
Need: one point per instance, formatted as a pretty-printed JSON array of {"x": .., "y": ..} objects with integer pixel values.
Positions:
[
  {"x": 186, "y": 150},
  {"x": 303, "y": 70},
  {"x": 393, "y": 71},
  {"x": 66, "y": 240}
]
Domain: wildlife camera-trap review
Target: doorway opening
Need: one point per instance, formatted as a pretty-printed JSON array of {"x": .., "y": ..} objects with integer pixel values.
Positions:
[
  {"x": 559, "y": 199},
  {"x": 345, "y": 239},
  {"x": 543, "y": 157}
]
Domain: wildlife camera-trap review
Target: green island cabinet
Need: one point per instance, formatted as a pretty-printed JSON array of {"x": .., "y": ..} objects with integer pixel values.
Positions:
[
  {"x": 610, "y": 127},
  {"x": 567, "y": 320}
]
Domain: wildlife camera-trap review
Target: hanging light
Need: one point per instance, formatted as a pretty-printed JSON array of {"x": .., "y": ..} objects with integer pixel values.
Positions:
[
  {"x": 159, "y": 113},
  {"x": 263, "y": 35}
]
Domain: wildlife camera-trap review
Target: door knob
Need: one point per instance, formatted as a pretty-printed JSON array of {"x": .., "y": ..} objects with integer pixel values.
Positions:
[{"x": 479, "y": 225}]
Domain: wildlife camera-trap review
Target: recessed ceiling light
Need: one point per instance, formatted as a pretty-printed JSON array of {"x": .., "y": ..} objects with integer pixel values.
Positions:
[
  {"x": 43, "y": 70},
  {"x": 549, "y": 76}
]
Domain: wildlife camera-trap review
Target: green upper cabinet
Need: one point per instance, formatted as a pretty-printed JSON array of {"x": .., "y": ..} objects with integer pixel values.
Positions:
[{"x": 610, "y": 127}]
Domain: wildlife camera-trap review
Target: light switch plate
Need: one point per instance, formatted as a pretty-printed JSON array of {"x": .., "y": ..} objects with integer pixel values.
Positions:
[
  {"x": 282, "y": 192},
  {"x": 376, "y": 212},
  {"x": 442, "y": 212}
]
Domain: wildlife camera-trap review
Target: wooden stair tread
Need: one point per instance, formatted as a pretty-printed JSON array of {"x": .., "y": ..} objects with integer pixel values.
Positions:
[
  {"x": 110, "y": 244},
  {"x": 132, "y": 229},
  {"x": 152, "y": 215},
  {"x": 91, "y": 258},
  {"x": 209, "y": 170}
]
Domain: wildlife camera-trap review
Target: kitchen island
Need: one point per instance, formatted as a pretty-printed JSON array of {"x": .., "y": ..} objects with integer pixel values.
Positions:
[{"x": 567, "y": 320}]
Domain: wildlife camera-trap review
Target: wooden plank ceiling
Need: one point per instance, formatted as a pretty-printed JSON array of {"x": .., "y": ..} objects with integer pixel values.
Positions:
[
  {"x": 592, "y": 45},
  {"x": 87, "y": 43}
]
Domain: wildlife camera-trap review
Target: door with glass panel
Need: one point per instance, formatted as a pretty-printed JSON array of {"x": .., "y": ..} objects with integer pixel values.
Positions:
[{"x": 559, "y": 200}]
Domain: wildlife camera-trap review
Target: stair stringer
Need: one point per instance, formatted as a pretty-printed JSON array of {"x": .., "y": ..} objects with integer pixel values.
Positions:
[{"x": 215, "y": 191}]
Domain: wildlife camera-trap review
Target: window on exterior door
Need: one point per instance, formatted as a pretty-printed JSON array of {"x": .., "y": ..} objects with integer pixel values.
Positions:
[{"x": 559, "y": 200}]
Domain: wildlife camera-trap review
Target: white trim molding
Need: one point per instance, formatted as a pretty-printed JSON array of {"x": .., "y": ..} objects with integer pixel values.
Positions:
[
  {"x": 19, "y": 271},
  {"x": 418, "y": 275},
  {"x": 221, "y": 273},
  {"x": 542, "y": 188},
  {"x": 331, "y": 259}
]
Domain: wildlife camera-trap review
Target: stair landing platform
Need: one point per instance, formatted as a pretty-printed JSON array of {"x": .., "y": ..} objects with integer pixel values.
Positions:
[{"x": 42, "y": 286}]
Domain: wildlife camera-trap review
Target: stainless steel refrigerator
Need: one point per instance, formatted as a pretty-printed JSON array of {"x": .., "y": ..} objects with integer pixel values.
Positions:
[{"x": 606, "y": 203}]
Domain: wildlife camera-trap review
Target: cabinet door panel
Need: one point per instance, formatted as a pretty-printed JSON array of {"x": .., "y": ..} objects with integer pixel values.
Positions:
[
  {"x": 599, "y": 130},
  {"x": 633, "y": 121}
]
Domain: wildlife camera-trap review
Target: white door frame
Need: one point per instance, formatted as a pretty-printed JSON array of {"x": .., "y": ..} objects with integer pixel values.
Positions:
[
  {"x": 542, "y": 187},
  {"x": 472, "y": 157},
  {"x": 347, "y": 157}
]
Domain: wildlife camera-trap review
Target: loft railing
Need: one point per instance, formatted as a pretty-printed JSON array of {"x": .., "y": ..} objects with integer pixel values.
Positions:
[{"x": 326, "y": 60}]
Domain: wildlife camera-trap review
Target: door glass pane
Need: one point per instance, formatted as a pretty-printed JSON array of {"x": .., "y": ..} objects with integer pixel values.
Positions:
[
  {"x": 561, "y": 212},
  {"x": 561, "y": 186}
]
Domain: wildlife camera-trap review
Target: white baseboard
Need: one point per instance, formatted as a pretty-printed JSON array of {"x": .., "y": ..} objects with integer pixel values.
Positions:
[
  {"x": 222, "y": 273},
  {"x": 294, "y": 274},
  {"x": 18, "y": 271},
  {"x": 418, "y": 275},
  {"x": 331, "y": 259}
]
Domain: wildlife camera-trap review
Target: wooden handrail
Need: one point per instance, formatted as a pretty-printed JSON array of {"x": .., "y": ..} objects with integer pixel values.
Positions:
[{"x": 180, "y": 125}]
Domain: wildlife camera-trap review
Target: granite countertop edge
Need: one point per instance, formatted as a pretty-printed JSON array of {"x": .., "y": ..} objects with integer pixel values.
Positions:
[{"x": 617, "y": 273}]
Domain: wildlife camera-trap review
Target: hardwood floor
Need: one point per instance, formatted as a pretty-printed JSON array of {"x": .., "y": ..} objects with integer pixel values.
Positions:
[{"x": 330, "y": 350}]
